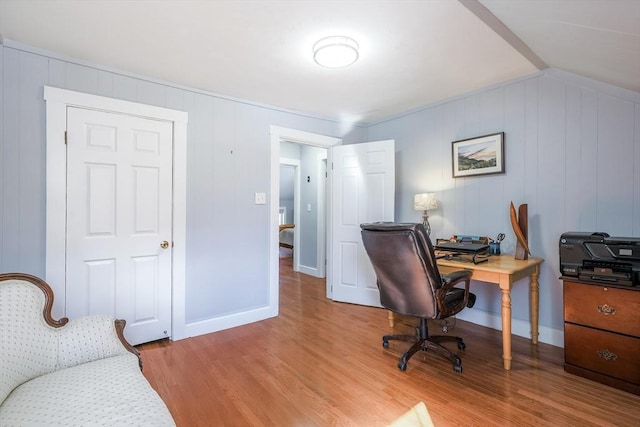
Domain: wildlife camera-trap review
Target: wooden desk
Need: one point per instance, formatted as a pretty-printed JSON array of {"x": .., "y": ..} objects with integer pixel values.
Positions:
[{"x": 503, "y": 270}]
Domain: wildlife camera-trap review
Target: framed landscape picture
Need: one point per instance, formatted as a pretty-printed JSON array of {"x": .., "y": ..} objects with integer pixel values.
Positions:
[{"x": 482, "y": 155}]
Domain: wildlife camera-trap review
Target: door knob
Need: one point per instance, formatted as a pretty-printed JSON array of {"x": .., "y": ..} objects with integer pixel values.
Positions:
[{"x": 164, "y": 244}]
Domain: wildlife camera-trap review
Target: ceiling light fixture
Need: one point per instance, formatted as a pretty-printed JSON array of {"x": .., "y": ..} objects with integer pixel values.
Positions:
[{"x": 335, "y": 51}]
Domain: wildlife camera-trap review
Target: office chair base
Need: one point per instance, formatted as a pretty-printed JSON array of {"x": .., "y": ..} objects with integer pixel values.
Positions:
[{"x": 422, "y": 341}]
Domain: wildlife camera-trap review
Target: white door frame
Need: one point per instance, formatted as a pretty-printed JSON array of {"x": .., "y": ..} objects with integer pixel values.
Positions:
[
  {"x": 57, "y": 101},
  {"x": 322, "y": 214},
  {"x": 278, "y": 135}
]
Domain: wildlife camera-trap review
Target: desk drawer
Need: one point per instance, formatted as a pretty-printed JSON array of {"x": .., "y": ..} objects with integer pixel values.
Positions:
[
  {"x": 606, "y": 308},
  {"x": 605, "y": 352}
]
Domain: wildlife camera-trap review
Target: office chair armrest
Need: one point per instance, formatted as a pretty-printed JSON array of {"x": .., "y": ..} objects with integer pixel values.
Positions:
[
  {"x": 448, "y": 280},
  {"x": 448, "y": 283}
]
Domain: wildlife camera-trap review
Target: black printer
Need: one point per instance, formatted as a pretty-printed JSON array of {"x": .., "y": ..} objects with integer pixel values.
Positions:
[{"x": 598, "y": 257}]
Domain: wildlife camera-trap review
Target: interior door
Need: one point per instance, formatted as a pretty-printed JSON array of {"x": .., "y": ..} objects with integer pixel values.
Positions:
[
  {"x": 363, "y": 190},
  {"x": 119, "y": 212}
]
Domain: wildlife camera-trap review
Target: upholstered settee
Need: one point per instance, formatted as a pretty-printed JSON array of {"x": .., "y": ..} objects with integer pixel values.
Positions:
[{"x": 67, "y": 373}]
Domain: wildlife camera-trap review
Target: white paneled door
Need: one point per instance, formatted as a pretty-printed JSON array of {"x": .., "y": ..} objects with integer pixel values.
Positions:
[
  {"x": 363, "y": 190},
  {"x": 119, "y": 207}
]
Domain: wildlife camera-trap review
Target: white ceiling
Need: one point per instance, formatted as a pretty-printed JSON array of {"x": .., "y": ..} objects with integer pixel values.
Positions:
[{"x": 412, "y": 53}]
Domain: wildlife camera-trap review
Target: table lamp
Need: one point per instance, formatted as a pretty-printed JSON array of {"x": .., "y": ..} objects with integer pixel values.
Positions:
[{"x": 424, "y": 202}]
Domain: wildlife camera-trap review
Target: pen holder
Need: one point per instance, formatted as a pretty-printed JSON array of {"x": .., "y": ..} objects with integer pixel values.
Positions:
[{"x": 494, "y": 248}]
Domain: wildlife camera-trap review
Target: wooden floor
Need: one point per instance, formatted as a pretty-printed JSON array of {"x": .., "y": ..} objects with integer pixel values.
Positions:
[{"x": 321, "y": 363}]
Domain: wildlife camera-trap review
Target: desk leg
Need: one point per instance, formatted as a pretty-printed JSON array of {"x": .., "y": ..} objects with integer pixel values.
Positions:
[
  {"x": 391, "y": 318},
  {"x": 534, "y": 295},
  {"x": 506, "y": 327}
]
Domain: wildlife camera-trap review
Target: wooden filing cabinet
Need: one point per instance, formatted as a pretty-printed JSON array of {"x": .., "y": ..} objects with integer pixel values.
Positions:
[{"x": 602, "y": 333}]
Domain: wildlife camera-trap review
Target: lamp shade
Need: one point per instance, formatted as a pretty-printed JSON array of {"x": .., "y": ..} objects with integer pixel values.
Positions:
[{"x": 425, "y": 201}]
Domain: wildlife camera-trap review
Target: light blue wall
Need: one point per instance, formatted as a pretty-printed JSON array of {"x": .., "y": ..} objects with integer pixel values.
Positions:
[
  {"x": 572, "y": 153},
  {"x": 227, "y": 162},
  {"x": 308, "y": 226},
  {"x": 309, "y": 197},
  {"x": 288, "y": 150},
  {"x": 287, "y": 182},
  {"x": 572, "y": 150}
]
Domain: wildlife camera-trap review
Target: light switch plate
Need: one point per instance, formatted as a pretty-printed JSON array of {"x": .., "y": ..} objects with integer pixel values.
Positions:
[{"x": 261, "y": 198}]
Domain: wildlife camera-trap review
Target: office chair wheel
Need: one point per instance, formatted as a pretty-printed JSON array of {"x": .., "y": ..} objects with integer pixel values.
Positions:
[
  {"x": 385, "y": 343},
  {"x": 457, "y": 369},
  {"x": 402, "y": 365},
  {"x": 461, "y": 345}
]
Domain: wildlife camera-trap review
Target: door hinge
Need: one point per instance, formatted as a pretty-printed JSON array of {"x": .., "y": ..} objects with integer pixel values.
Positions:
[{"x": 65, "y": 137}]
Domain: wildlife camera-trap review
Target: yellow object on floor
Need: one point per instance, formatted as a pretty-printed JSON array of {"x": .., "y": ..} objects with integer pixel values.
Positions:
[{"x": 418, "y": 416}]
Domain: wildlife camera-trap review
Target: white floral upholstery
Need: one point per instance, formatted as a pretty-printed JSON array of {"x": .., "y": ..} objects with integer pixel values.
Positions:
[
  {"x": 107, "y": 392},
  {"x": 88, "y": 338},
  {"x": 79, "y": 374},
  {"x": 29, "y": 346}
]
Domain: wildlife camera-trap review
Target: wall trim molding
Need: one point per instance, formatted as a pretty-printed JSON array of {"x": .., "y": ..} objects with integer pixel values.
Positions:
[
  {"x": 565, "y": 76},
  {"x": 229, "y": 321},
  {"x": 53, "y": 55},
  {"x": 519, "y": 327},
  {"x": 595, "y": 85},
  {"x": 311, "y": 271}
]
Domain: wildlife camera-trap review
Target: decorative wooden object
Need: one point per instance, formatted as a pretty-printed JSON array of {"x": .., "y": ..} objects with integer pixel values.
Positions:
[{"x": 520, "y": 224}]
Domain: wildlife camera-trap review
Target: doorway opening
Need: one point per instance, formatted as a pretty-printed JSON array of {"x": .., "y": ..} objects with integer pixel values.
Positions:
[
  {"x": 307, "y": 205},
  {"x": 302, "y": 197},
  {"x": 289, "y": 211}
]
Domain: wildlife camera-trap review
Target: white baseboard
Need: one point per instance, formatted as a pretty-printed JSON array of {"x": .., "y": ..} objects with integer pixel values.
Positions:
[
  {"x": 311, "y": 271},
  {"x": 226, "y": 322},
  {"x": 519, "y": 327}
]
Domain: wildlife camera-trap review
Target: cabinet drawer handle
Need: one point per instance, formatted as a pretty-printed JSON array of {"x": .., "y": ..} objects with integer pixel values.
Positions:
[
  {"x": 606, "y": 309},
  {"x": 607, "y": 355}
]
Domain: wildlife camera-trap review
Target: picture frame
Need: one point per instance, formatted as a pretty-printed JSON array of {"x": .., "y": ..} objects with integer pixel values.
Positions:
[{"x": 482, "y": 155}]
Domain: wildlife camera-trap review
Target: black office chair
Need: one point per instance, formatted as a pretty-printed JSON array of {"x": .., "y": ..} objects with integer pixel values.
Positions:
[{"x": 410, "y": 284}]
